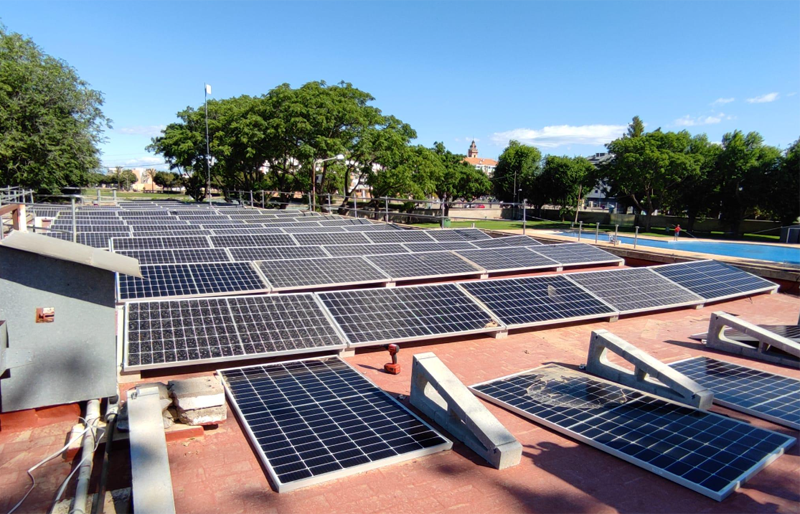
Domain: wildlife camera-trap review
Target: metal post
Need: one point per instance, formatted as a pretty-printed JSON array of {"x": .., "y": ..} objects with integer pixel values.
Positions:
[
  {"x": 635, "y": 236},
  {"x": 616, "y": 231},
  {"x": 524, "y": 215},
  {"x": 98, "y": 195},
  {"x": 329, "y": 203},
  {"x": 355, "y": 206},
  {"x": 115, "y": 196},
  {"x": 263, "y": 205},
  {"x": 74, "y": 222},
  {"x": 309, "y": 203},
  {"x": 441, "y": 208},
  {"x": 251, "y": 198},
  {"x": 386, "y": 216},
  {"x": 580, "y": 229},
  {"x": 208, "y": 147},
  {"x": 596, "y": 232}
]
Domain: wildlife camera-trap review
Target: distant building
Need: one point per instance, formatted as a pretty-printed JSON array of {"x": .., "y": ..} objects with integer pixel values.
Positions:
[
  {"x": 597, "y": 196},
  {"x": 485, "y": 165}
]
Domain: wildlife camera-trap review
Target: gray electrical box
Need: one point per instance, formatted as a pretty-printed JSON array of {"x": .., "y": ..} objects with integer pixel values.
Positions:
[{"x": 59, "y": 336}]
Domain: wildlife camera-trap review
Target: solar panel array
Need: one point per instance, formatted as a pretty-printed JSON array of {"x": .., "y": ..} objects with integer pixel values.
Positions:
[
  {"x": 407, "y": 266},
  {"x": 706, "y": 452},
  {"x": 714, "y": 280},
  {"x": 198, "y": 330},
  {"x": 508, "y": 259},
  {"x": 755, "y": 392},
  {"x": 307, "y": 273},
  {"x": 319, "y": 419},
  {"x": 167, "y": 280}
]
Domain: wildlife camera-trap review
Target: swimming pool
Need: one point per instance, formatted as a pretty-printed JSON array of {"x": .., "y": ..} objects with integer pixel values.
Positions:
[{"x": 764, "y": 252}]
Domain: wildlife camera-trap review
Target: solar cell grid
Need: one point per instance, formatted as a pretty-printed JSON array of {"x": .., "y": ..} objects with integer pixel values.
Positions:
[
  {"x": 170, "y": 233},
  {"x": 714, "y": 280},
  {"x": 189, "y": 255},
  {"x": 330, "y": 239},
  {"x": 166, "y": 280},
  {"x": 531, "y": 301},
  {"x": 318, "y": 420},
  {"x": 706, "y": 452},
  {"x": 507, "y": 259},
  {"x": 158, "y": 243},
  {"x": 445, "y": 235},
  {"x": 759, "y": 393},
  {"x": 472, "y": 234},
  {"x": 246, "y": 231},
  {"x": 235, "y": 241},
  {"x": 569, "y": 254},
  {"x": 369, "y": 249},
  {"x": 309, "y": 230},
  {"x": 163, "y": 221},
  {"x": 399, "y": 236},
  {"x": 438, "y": 247},
  {"x": 422, "y": 265},
  {"x": 503, "y": 242},
  {"x": 293, "y": 224},
  {"x": 635, "y": 289},
  {"x": 305, "y": 273},
  {"x": 67, "y": 227},
  {"x": 370, "y": 228},
  {"x": 377, "y": 316},
  {"x": 276, "y": 253}
]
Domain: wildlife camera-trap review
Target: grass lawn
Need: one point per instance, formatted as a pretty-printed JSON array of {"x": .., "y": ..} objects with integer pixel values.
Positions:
[
  {"x": 107, "y": 194},
  {"x": 589, "y": 229}
]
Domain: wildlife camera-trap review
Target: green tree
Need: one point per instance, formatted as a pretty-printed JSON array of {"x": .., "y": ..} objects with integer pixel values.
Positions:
[
  {"x": 564, "y": 182},
  {"x": 122, "y": 178},
  {"x": 635, "y": 127},
  {"x": 741, "y": 171},
  {"x": 783, "y": 198},
  {"x": 167, "y": 180},
  {"x": 50, "y": 119},
  {"x": 698, "y": 195},
  {"x": 457, "y": 180},
  {"x": 517, "y": 168},
  {"x": 647, "y": 170}
]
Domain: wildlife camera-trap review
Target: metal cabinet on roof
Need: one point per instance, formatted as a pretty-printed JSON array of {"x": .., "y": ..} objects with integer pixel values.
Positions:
[{"x": 59, "y": 332}]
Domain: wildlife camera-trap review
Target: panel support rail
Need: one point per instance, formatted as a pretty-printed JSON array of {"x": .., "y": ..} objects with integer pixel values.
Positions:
[{"x": 789, "y": 351}]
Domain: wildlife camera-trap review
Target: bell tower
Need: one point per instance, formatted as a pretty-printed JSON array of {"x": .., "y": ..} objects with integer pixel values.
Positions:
[{"x": 473, "y": 150}]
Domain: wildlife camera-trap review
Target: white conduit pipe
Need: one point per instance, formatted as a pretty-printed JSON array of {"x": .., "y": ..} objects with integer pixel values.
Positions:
[{"x": 88, "y": 446}]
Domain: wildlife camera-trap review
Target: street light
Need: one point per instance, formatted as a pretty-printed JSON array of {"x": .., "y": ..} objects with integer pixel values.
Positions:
[
  {"x": 206, "y": 92},
  {"x": 339, "y": 157}
]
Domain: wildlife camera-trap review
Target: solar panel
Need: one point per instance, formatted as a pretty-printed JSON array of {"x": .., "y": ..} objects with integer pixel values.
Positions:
[
  {"x": 368, "y": 249},
  {"x": 330, "y": 239},
  {"x": 336, "y": 223},
  {"x": 159, "y": 243},
  {"x": 759, "y": 393},
  {"x": 507, "y": 259},
  {"x": 162, "y": 222},
  {"x": 241, "y": 241},
  {"x": 189, "y": 255},
  {"x": 97, "y": 239},
  {"x": 445, "y": 235},
  {"x": 191, "y": 331},
  {"x": 635, "y": 289},
  {"x": 408, "y": 266},
  {"x": 166, "y": 280},
  {"x": 166, "y": 229},
  {"x": 169, "y": 233},
  {"x": 230, "y": 226},
  {"x": 296, "y": 224},
  {"x": 246, "y": 231},
  {"x": 370, "y": 228},
  {"x": 576, "y": 254},
  {"x": 195, "y": 218},
  {"x": 706, "y": 452},
  {"x": 119, "y": 230},
  {"x": 305, "y": 273},
  {"x": 320, "y": 419},
  {"x": 713, "y": 280},
  {"x": 377, "y": 316},
  {"x": 439, "y": 247},
  {"x": 532, "y": 301},
  {"x": 309, "y": 230},
  {"x": 398, "y": 236},
  {"x": 503, "y": 242},
  {"x": 276, "y": 253},
  {"x": 472, "y": 234}
]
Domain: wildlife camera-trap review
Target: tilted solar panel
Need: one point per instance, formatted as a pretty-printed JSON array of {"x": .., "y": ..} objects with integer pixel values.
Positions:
[
  {"x": 714, "y": 280},
  {"x": 242, "y": 241},
  {"x": 507, "y": 259},
  {"x": 276, "y": 253},
  {"x": 169, "y": 280},
  {"x": 158, "y": 243},
  {"x": 438, "y": 247},
  {"x": 369, "y": 249},
  {"x": 575, "y": 254},
  {"x": 330, "y": 239},
  {"x": 503, "y": 242},
  {"x": 305, "y": 273},
  {"x": 398, "y": 236},
  {"x": 187, "y": 255},
  {"x": 407, "y": 266}
]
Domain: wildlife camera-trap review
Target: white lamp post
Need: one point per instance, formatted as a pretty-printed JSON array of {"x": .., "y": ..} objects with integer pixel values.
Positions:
[{"x": 339, "y": 157}]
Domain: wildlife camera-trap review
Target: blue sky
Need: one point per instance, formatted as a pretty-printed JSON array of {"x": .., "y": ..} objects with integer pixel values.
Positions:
[{"x": 564, "y": 76}]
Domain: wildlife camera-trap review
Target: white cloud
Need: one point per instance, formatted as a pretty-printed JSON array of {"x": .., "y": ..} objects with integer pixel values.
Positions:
[
  {"x": 142, "y": 130},
  {"x": 722, "y": 101},
  {"x": 792, "y": 93},
  {"x": 713, "y": 119},
  {"x": 561, "y": 135},
  {"x": 769, "y": 97}
]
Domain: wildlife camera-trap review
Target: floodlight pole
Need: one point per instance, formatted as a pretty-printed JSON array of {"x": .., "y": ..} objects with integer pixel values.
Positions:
[
  {"x": 208, "y": 148},
  {"x": 524, "y": 215}
]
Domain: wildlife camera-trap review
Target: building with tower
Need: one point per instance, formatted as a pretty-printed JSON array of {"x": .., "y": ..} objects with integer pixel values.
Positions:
[{"x": 485, "y": 165}]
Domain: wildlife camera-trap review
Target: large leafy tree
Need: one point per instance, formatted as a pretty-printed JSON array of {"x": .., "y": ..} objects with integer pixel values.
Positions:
[
  {"x": 50, "y": 119},
  {"x": 741, "y": 171},
  {"x": 457, "y": 180},
  {"x": 648, "y": 170},
  {"x": 783, "y": 197},
  {"x": 564, "y": 182},
  {"x": 518, "y": 167},
  {"x": 698, "y": 194}
]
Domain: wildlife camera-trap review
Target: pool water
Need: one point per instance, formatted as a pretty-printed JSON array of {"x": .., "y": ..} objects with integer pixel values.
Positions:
[{"x": 764, "y": 252}]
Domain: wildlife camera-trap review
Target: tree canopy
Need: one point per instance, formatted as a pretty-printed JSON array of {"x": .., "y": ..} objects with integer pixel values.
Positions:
[
  {"x": 518, "y": 167},
  {"x": 50, "y": 120}
]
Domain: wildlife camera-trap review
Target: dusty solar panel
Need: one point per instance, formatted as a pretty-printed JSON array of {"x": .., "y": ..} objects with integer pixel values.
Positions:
[
  {"x": 305, "y": 273},
  {"x": 759, "y": 393},
  {"x": 330, "y": 239},
  {"x": 706, "y": 452},
  {"x": 169, "y": 280},
  {"x": 507, "y": 259},
  {"x": 531, "y": 301},
  {"x": 713, "y": 280},
  {"x": 575, "y": 254},
  {"x": 635, "y": 289},
  {"x": 368, "y": 249},
  {"x": 159, "y": 243},
  {"x": 320, "y": 419},
  {"x": 235, "y": 241},
  {"x": 276, "y": 253},
  {"x": 439, "y": 247},
  {"x": 377, "y": 316},
  {"x": 180, "y": 332},
  {"x": 445, "y": 235},
  {"x": 171, "y": 233},
  {"x": 187, "y": 255},
  {"x": 408, "y": 266},
  {"x": 507, "y": 241},
  {"x": 398, "y": 236}
]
